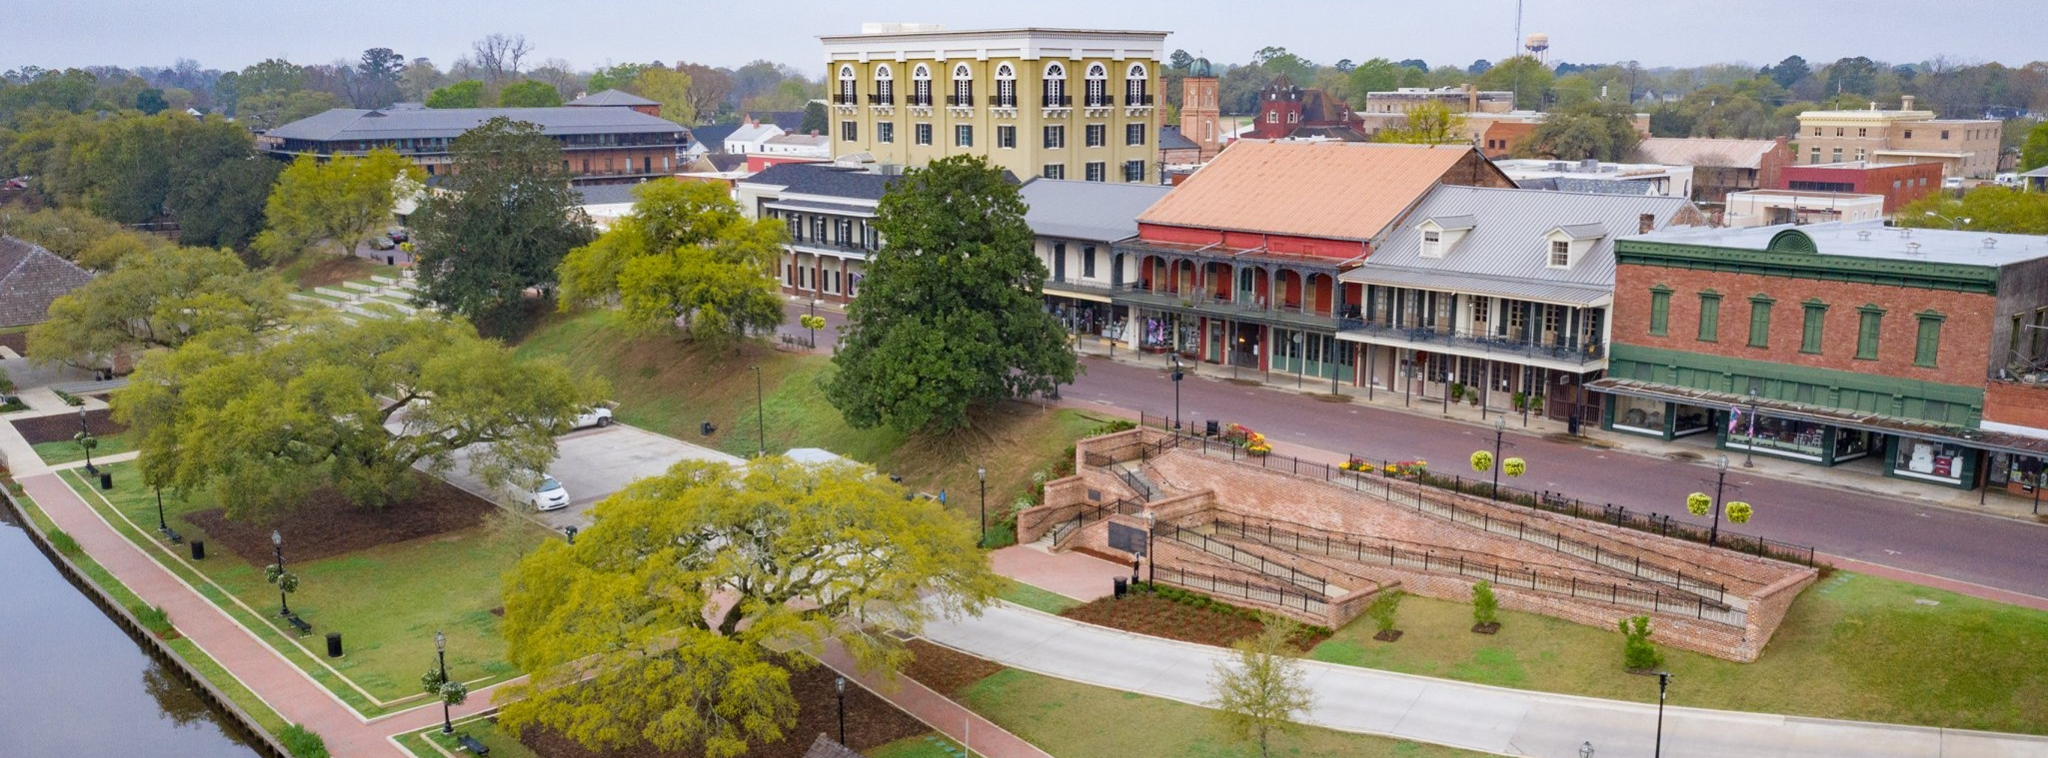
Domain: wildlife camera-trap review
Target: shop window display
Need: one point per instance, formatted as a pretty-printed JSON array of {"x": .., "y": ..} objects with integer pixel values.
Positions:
[
  {"x": 1929, "y": 459},
  {"x": 1799, "y": 438},
  {"x": 1639, "y": 414}
]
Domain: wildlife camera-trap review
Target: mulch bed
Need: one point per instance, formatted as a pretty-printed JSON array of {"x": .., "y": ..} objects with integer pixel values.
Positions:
[
  {"x": 871, "y": 722},
  {"x": 16, "y": 340},
  {"x": 1146, "y": 613},
  {"x": 62, "y": 427},
  {"x": 326, "y": 524},
  {"x": 945, "y": 670}
]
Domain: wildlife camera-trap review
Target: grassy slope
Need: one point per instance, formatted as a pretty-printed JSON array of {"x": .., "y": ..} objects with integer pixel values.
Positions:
[
  {"x": 670, "y": 386},
  {"x": 1073, "y": 720},
  {"x": 1852, "y": 647},
  {"x": 387, "y": 601},
  {"x": 1035, "y": 597},
  {"x": 66, "y": 451}
]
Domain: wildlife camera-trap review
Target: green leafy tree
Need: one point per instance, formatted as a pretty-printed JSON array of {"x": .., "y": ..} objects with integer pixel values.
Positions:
[
  {"x": 272, "y": 75},
  {"x": 617, "y": 77},
  {"x": 949, "y": 315},
  {"x": 1385, "y": 611},
  {"x": 1262, "y": 688},
  {"x": 1852, "y": 76},
  {"x": 1376, "y": 75},
  {"x": 1788, "y": 71},
  {"x": 2034, "y": 153},
  {"x": 260, "y": 422},
  {"x": 378, "y": 73},
  {"x": 1984, "y": 209},
  {"x": 270, "y": 110},
  {"x": 225, "y": 205},
  {"x": 529, "y": 94},
  {"x": 1277, "y": 61},
  {"x": 1180, "y": 60},
  {"x": 463, "y": 94},
  {"x": 503, "y": 225},
  {"x": 656, "y": 626},
  {"x": 151, "y": 102},
  {"x": 1430, "y": 123},
  {"x": 76, "y": 235},
  {"x": 685, "y": 254},
  {"x": 160, "y": 298},
  {"x": 815, "y": 119},
  {"x": 1523, "y": 75},
  {"x": 332, "y": 204},
  {"x": 138, "y": 162},
  {"x": 1604, "y": 131},
  {"x": 1485, "y": 607},
  {"x": 672, "y": 89},
  {"x": 1638, "y": 653}
]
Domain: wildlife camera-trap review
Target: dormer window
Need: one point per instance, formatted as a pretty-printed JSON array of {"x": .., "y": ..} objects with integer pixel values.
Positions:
[
  {"x": 1432, "y": 244},
  {"x": 1560, "y": 253}
]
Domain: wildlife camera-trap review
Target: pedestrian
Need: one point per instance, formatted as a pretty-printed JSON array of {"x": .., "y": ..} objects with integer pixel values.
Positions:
[{"x": 942, "y": 497}]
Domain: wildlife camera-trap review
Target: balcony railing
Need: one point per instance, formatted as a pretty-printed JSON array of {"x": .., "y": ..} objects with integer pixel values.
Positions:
[
  {"x": 1555, "y": 349},
  {"x": 880, "y": 99},
  {"x": 1058, "y": 101},
  {"x": 845, "y": 100},
  {"x": 960, "y": 101},
  {"x": 1295, "y": 313},
  {"x": 1100, "y": 101},
  {"x": 1139, "y": 100},
  {"x": 918, "y": 101}
]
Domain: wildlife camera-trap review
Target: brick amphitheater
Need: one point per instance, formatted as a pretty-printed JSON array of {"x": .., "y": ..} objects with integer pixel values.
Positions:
[{"x": 1318, "y": 550}]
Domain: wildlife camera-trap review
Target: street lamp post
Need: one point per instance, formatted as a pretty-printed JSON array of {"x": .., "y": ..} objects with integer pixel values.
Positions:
[
  {"x": 1500, "y": 430},
  {"x": 84, "y": 441},
  {"x": 441, "y": 660},
  {"x": 277, "y": 548},
  {"x": 760, "y": 417},
  {"x": 1749, "y": 447},
  {"x": 1151, "y": 561},
  {"x": 161, "y": 526},
  {"x": 1663, "y": 682},
  {"x": 1586, "y": 749},
  {"x": 1720, "y": 480},
  {"x": 842, "y": 710},
  {"x": 814, "y": 330},
  {"x": 981, "y": 473},
  {"x": 1177, "y": 375}
]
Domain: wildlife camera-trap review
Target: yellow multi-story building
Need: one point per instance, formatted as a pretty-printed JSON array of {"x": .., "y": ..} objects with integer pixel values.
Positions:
[
  {"x": 1058, "y": 103},
  {"x": 1963, "y": 147}
]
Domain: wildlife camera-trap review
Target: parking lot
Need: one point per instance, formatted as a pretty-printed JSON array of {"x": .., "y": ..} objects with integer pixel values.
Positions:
[{"x": 593, "y": 464}]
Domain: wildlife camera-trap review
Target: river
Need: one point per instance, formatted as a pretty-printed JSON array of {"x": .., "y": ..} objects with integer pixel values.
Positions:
[{"x": 73, "y": 684}]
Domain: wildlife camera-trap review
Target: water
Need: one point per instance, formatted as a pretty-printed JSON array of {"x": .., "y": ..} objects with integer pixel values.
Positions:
[{"x": 73, "y": 684}]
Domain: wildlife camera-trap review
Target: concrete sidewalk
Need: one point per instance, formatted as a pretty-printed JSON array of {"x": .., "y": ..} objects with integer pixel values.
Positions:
[
  {"x": 979, "y": 735},
  {"x": 1469, "y": 716}
]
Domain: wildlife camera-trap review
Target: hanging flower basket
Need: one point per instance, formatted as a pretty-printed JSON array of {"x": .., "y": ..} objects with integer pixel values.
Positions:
[
  {"x": 1514, "y": 467},
  {"x": 1739, "y": 512},
  {"x": 1698, "y": 504},
  {"x": 1482, "y": 461}
]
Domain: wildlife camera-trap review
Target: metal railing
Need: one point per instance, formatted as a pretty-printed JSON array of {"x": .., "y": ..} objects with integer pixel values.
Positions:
[
  {"x": 1098, "y": 101},
  {"x": 1253, "y": 561},
  {"x": 881, "y": 99},
  {"x": 1137, "y": 483},
  {"x": 1057, "y": 101},
  {"x": 960, "y": 101},
  {"x": 842, "y": 99},
  {"x": 1529, "y": 577},
  {"x": 1231, "y": 588},
  {"x": 1139, "y": 100},
  {"x": 1066, "y": 529},
  {"x": 1493, "y": 344}
]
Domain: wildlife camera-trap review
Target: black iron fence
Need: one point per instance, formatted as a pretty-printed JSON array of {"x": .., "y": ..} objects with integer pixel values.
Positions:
[
  {"x": 1255, "y": 562},
  {"x": 1089, "y": 514},
  {"x": 1273, "y": 596}
]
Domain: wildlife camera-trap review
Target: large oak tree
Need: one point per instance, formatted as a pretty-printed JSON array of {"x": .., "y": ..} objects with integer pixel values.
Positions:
[
  {"x": 656, "y": 625},
  {"x": 160, "y": 298},
  {"x": 950, "y": 315},
  {"x": 685, "y": 254}
]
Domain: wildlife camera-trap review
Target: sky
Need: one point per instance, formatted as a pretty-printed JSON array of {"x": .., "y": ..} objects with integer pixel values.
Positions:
[{"x": 230, "y": 34}]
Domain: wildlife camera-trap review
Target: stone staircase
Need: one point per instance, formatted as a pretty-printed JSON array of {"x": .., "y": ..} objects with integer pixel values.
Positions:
[{"x": 379, "y": 297}]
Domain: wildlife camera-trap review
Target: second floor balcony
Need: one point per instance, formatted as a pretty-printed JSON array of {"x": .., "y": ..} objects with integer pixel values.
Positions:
[
  {"x": 1244, "y": 306},
  {"x": 1550, "y": 347}
]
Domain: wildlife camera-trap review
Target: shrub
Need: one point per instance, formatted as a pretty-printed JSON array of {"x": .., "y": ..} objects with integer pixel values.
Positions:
[
  {"x": 1485, "y": 608},
  {"x": 1457, "y": 393},
  {"x": 1385, "y": 609},
  {"x": 68, "y": 398},
  {"x": 1638, "y": 653},
  {"x": 64, "y": 543},
  {"x": 152, "y": 617},
  {"x": 302, "y": 742}
]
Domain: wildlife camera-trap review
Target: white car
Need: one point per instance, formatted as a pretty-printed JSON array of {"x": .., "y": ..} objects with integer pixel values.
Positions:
[
  {"x": 550, "y": 496},
  {"x": 599, "y": 416}
]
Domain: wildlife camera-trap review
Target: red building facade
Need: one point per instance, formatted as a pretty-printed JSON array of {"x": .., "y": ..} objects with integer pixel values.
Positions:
[{"x": 1900, "y": 183}]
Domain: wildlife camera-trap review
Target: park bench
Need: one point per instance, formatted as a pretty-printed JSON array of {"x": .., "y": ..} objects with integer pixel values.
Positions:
[
  {"x": 299, "y": 624},
  {"x": 470, "y": 744}
]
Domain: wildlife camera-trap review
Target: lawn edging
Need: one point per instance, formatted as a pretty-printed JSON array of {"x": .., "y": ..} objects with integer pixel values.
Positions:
[{"x": 215, "y": 696}]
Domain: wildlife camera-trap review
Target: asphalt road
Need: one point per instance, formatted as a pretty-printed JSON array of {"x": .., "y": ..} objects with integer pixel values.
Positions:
[{"x": 1988, "y": 550}]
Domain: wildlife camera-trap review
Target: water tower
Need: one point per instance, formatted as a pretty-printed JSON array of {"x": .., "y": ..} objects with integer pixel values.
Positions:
[{"x": 1538, "y": 45}]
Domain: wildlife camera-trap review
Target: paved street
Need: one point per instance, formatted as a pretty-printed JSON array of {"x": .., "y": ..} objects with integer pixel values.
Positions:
[
  {"x": 1471, "y": 716},
  {"x": 594, "y": 463}
]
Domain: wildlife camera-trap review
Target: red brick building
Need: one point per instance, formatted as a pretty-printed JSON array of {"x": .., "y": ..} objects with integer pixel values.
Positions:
[
  {"x": 1899, "y": 183},
  {"x": 1287, "y": 111}
]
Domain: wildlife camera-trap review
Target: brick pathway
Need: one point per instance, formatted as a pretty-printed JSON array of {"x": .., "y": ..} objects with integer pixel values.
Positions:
[
  {"x": 1081, "y": 577},
  {"x": 978, "y": 734},
  {"x": 288, "y": 690}
]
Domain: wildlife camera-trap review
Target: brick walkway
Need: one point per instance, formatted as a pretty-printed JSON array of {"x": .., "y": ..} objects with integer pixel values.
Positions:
[
  {"x": 1081, "y": 577},
  {"x": 978, "y": 734},
  {"x": 288, "y": 690}
]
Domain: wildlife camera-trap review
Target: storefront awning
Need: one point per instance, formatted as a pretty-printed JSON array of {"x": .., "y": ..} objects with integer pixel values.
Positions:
[{"x": 1997, "y": 442}]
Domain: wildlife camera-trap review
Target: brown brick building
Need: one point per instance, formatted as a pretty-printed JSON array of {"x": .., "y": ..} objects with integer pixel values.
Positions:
[
  {"x": 1899, "y": 183},
  {"x": 599, "y": 143}
]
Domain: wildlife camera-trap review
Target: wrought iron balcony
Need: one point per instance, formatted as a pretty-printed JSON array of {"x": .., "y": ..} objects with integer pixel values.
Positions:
[
  {"x": 960, "y": 101},
  {"x": 1560, "y": 348}
]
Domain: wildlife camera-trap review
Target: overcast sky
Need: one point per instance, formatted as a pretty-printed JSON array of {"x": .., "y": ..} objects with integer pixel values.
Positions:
[{"x": 230, "y": 34}]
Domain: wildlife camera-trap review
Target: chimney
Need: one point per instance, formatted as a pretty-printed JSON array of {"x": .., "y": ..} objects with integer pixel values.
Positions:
[
  {"x": 1906, "y": 102},
  {"x": 1646, "y": 223},
  {"x": 814, "y": 132},
  {"x": 1471, "y": 99}
]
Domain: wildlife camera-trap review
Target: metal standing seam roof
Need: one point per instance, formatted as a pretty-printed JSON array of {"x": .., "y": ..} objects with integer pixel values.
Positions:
[
  {"x": 813, "y": 206},
  {"x": 1087, "y": 210},
  {"x": 823, "y": 180},
  {"x": 610, "y": 97},
  {"x": 1702, "y": 151},
  {"x": 754, "y": 133},
  {"x": 1327, "y": 190},
  {"x": 1873, "y": 239},
  {"x": 1507, "y": 247},
  {"x": 348, "y": 124}
]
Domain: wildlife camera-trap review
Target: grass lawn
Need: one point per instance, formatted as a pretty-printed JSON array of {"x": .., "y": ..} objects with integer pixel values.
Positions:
[
  {"x": 66, "y": 451},
  {"x": 501, "y": 744},
  {"x": 669, "y": 386},
  {"x": 922, "y": 746},
  {"x": 1037, "y": 598},
  {"x": 1852, "y": 647},
  {"x": 204, "y": 664},
  {"x": 1074, "y": 720},
  {"x": 386, "y": 601},
  {"x": 318, "y": 269}
]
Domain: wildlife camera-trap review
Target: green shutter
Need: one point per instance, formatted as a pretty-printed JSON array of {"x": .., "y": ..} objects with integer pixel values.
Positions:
[
  {"x": 1710, "y": 316},
  {"x": 1867, "y": 332},
  {"x": 1810, "y": 338},
  {"x": 1760, "y": 322},
  {"x": 1660, "y": 311},
  {"x": 1928, "y": 346}
]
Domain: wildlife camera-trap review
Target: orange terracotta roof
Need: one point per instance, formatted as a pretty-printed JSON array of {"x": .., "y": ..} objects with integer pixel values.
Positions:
[{"x": 1329, "y": 190}]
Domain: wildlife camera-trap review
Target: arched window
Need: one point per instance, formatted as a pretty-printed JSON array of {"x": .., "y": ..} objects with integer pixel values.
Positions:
[
  {"x": 1135, "y": 92},
  {"x": 885, "y": 85},
  {"x": 963, "y": 86},
  {"x": 847, "y": 86},
  {"x": 1098, "y": 86},
  {"x": 1006, "y": 86},
  {"x": 1055, "y": 85},
  {"x": 921, "y": 85}
]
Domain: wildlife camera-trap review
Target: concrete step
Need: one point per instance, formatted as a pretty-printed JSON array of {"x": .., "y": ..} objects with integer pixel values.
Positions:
[{"x": 361, "y": 286}]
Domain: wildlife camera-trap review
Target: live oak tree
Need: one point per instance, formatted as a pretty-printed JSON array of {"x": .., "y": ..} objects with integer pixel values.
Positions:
[
  {"x": 656, "y": 626},
  {"x": 1602, "y": 131},
  {"x": 501, "y": 227},
  {"x": 463, "y": 94},
  {"x": 160, "y": 298},
  {"x": 949, "y": 315},
  {"x": 686, "y": 254},
  {"x": 332, "y": 204},
  {"x": 669, "y": 87},
  {"x": 262, "y": 421},
  {"x": 1429, "y": 123},
  {"x": 529, "y": 94},
  {"x": 1262, "y": 689}
]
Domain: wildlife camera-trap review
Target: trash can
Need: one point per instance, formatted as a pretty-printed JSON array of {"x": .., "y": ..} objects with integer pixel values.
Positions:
[
  {"x": 1122, "y": 586},
  {"x": 199, "y": 550},
  {"x": 106, "y": 480},
  {"x": 1575, "y": 425},
  {"x": 1212, "y": 427},
  {"x": 334, "y": 644}
]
